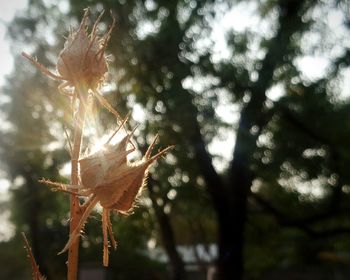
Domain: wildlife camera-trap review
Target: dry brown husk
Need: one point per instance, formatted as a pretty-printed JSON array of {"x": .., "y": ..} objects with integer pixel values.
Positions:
[
  {"x": 82, "y": 58},
  {"x": 109, "y": 178}
]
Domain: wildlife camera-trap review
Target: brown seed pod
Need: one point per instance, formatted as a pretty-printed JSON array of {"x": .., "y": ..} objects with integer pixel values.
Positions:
[
  {"x": 124, "y": 180},
  {"x": 114, "y": 180},
  {"x": 82, "y": 59},
  {"x": 109, "y": 178},
  {"x": 95, "y": 167},
  {"x": 82, "y": 63}
]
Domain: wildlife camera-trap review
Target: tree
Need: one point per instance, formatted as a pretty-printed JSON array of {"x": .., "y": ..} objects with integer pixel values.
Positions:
[
  {"x": 163, "y": 70},
  {"x": 24, "y": 146},
  {"x": 158, "y": 58}
]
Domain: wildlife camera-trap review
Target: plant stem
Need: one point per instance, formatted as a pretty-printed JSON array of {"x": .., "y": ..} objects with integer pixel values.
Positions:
[{"x": 75, "y": 207}]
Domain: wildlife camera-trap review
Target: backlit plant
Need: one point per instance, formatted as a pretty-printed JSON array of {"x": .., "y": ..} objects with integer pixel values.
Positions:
[{"x": 107, "y": 176}]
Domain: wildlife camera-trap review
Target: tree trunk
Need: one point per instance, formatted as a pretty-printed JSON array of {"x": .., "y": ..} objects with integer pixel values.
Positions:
[
  {"x": 167, "y": 236},
  {"x": 252, "y": 116}
]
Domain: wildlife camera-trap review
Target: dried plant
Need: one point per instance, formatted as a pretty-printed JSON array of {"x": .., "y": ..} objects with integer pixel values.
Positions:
[
  {"x": 36, "y": 275},
  {"x": 106, "y": 177},
  {"x": 82, "y": 64},
  {"x": 109, "y": 178}
]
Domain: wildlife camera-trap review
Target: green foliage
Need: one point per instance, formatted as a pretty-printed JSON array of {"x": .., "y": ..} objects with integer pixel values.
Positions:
[{"x": 301, "y": 146}]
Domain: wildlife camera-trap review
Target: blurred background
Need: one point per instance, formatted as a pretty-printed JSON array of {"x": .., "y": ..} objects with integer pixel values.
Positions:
[{"x": 255, "y": 96}]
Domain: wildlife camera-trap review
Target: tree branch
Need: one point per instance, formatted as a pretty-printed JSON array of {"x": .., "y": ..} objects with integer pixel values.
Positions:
[
  {"x": 166, "y": 234},
  {"x": 334, "y": 158},
  {"x": 253, "y": 113},
  {"x": 302, "y": 224}
]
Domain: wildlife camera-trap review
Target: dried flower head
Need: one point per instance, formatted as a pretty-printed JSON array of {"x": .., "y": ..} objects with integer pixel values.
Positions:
[
  {"x": 82, "y": 59},
  {"x": 82, "y": 63},
  {"x": 122, "y": 180},
  {"x": 109, "y": 178}
]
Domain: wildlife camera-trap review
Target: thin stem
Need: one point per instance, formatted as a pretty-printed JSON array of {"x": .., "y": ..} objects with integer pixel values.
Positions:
[
  {"x": 86, "y": 210},
  {"x": 75, "y": 207},
  {"x": 105, "y": 237}
]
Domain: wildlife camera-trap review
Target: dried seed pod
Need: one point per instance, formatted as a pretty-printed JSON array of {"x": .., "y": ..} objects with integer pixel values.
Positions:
[
  {"x": 81, "y": 64},
  {"x": 112, "y": 178},
  {"x": 109, "y": 178},
  {"x": 93, "y": 168},
  {"x": 82, "y": 59},
  {"x": 124, "y": 180}
]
